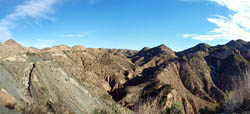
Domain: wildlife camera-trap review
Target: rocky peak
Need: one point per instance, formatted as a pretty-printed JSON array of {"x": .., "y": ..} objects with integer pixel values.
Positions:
[
  {"x": 145, "y": 49},
  {"x": 159, "y": 50},
  {"x": 203, "y": 45},
  {"x": 162, "y": 47},
  {"x": 155, "y": 51},
  {"x": 60, "y": 47},
  {"x": 12, "y": 43},
  {"x": 78, "y": 47},
  {"x": 199, "y": 47},
  {"x": 153, "y": 54},
  {"x": 234, "y": 42},
  {"x": 239, "y": 45}
]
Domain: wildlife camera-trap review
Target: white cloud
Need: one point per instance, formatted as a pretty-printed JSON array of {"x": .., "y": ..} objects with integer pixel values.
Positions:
[
  {"x": 235, "y": 26},
  {"x": 34, "y": 9},
  {"x": 80, "y": 35}
]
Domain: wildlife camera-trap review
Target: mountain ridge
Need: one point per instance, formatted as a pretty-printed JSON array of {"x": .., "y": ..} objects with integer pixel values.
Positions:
[{"x": 60, "y": 78}]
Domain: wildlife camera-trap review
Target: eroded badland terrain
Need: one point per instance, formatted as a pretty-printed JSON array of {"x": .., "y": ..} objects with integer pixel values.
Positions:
[{"x": 79, "y": 80}]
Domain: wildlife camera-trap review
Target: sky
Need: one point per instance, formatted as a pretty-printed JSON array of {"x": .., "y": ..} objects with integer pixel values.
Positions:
[{"x": 124, "y": 24}]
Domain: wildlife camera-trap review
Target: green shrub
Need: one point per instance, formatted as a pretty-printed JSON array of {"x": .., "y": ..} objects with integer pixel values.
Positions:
[
  {"x": 218, "y": 109},
  {"x": 96, "y": 111},
  {"x": 207, "y": 110},
  {"x": 227, "y": 95},
  {"x": 174, "y": 109}
]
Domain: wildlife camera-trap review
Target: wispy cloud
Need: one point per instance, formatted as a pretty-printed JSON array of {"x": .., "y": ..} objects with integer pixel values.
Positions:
[
  {"x": 34, "y": 9},
  {"x": 235, "y": 26},
  {"x": 80, "y": 35}
]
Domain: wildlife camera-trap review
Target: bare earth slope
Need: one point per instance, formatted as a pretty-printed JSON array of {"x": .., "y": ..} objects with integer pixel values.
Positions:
[{"x": 80, "y": 80}]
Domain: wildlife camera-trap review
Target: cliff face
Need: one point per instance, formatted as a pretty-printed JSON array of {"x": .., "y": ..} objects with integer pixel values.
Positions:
[{"x": 81, "y": 80}]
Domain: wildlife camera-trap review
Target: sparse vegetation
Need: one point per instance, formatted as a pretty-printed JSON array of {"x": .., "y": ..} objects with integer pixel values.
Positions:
[
  {"x": 40, "y": 108},
  {"x": 199, "y": 77},
  {"x": 207, "y": 110},
  {"x": 100, "y": 111},
  {"x": 238, "y": 99},
  {"x": 148, "y": 109},
  {"x": 34, "y": 108},
  {"x": 174, "y": 109}
]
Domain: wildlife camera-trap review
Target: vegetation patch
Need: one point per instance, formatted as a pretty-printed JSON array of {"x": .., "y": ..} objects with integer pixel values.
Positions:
[{"x": 174, "y": 109}]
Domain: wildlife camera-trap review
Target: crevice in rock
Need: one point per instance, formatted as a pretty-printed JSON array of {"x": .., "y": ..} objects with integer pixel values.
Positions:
[
  {"x": 111, "y": 81},
  {"x": 30, "y": 79},
  {"x": 194, "y": 107},
  {"x": 118, "y": 94},
  {"x": 117, "y": 91},
  {"x": 184, "y": 104}
]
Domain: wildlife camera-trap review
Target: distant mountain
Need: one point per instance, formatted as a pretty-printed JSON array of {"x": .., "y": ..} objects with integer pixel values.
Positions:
[{"x": 80, "y": 80}]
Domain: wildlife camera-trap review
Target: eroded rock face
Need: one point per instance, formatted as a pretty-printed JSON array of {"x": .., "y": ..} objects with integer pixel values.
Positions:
[
  {"x": 80, "y": 80},
  {"x": 27, "y": 77}
]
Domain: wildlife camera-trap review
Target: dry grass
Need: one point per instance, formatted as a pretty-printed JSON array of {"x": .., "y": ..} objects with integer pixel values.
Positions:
[
  {"x": 238, "y": 99},
  {"x": 35, "y": 108},
  {"x": 147, "y": 108}
]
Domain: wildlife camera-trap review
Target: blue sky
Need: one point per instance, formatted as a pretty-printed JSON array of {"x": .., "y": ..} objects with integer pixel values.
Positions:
[{"x": 126, "y": 24}]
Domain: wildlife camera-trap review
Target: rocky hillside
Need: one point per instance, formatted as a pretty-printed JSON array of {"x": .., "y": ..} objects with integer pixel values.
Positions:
[{"x": 79, "y": 80}]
